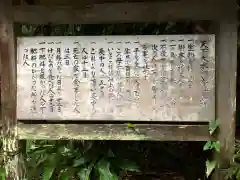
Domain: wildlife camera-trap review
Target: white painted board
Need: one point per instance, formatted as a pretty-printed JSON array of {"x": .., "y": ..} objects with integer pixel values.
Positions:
[{"x": 123, "y": 78}]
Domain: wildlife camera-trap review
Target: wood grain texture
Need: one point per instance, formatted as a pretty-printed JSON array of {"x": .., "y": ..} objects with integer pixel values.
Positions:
[
  {"x": 226, "y": 89},
  {"x": 181, "y": 93},
  {"x": 226, "y": 58},
  {"x": 151, "y": 132},
  {"x": 77, "y": 3},
  {"x": 8, "y": 67},
  {"x": 8, "y": 93},
  {"x": 134, "y": 12}
]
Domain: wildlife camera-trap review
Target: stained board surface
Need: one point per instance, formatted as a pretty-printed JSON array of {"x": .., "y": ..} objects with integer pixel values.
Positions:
[{"x": 133, "y": 78}]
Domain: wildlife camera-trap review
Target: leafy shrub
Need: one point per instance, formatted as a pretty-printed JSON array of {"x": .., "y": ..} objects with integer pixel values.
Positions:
[
  {"x": 234, "y": 170},
  {"x": 65, "y": 160}
]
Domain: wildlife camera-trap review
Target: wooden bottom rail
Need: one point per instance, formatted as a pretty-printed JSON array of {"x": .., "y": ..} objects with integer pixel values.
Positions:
[{"x": 152, "y": 132}]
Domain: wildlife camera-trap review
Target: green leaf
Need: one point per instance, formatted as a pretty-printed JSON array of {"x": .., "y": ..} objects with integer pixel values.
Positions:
[
  {"x": 29, "y": 145},
  {"x": 80, "y": 161},
  {"x": 84, "y": 173},
  {"x": 213, "y": 125},
  {"x": 210, "y": 166},
  {"x": 216, "y": 146},
  {"x": 130, "y": 125},
  {"x": 42, "y": 159},
  {"x": 48, "y": 172},
  {"x": 66, "y": 174},
  {"x": 2, "y": 173},
  {"x": 133, "y": 127},
  {"x": 103, "y": 168},
  {"x": 127, "y": 165},
  {"x": 237, "y": 173},
  {"x": 53, "y": 159},
  {"x": 110, "y": 153},
  {"x": 207, "y": 146},
  {"x": 39, "y": 150}
]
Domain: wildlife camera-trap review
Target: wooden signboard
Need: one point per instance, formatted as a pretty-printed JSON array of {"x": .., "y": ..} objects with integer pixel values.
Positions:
[{"x": 138, "y": 78}]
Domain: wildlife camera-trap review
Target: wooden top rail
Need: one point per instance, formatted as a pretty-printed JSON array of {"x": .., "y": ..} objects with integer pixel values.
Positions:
[{"x": 154, "y": 12}]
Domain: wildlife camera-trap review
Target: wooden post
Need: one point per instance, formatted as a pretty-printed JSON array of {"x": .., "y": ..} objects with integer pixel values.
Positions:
[
  {"x": 8, "y": 91},
  {"x": 226, "y": 62}
]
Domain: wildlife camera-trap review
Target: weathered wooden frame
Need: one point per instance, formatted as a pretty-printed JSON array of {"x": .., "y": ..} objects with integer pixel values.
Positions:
[
  {"x": 123, "y": 12},
  {"x": 152, "y": 132},
  {"x": 224, "y": 15}
]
